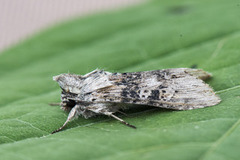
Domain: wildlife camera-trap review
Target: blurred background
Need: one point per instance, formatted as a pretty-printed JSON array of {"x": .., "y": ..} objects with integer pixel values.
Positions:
[{"x": 20, "y": 19}]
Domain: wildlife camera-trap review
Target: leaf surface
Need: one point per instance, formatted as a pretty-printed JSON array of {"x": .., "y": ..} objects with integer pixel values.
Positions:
[{"x": 155, "y": 35}]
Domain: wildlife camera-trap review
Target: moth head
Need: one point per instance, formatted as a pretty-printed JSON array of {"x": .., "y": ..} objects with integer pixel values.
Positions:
[{"x": 69, "y": 82}]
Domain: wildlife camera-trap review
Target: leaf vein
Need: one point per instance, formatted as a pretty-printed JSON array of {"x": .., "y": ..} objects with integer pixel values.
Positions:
[{"x": 214, "y": 146}]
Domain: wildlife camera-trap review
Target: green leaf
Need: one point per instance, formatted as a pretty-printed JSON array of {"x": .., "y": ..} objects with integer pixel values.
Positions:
[{"x": 154, "y": 35}]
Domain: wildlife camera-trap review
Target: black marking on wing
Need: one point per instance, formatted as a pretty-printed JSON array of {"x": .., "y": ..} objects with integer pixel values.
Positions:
[
  {"x": 129, "y": 87},
  {"x": 154, "y": 95}
]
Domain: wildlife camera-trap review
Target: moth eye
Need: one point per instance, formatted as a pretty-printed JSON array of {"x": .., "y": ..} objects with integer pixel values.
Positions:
[{"x": 70, "y": 103}]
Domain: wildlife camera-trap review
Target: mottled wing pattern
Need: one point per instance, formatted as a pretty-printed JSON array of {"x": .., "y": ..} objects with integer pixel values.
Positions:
[
  {"x": 100, "y": 92},
  {"x": 179, "y": 89}
]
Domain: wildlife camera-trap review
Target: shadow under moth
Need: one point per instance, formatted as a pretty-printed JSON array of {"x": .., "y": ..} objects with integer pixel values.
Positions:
[{"x": 103, "y": 93}]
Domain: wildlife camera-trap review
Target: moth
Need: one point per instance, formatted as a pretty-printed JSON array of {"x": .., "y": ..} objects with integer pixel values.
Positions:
[{"x": 104, "y": 93}]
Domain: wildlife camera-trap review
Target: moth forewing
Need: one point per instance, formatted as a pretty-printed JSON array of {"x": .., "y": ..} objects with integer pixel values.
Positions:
[{"x": 100, "y": 92}]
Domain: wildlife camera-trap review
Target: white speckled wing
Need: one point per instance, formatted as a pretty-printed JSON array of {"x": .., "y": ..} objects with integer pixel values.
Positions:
[{"x": 178, "y": 89}]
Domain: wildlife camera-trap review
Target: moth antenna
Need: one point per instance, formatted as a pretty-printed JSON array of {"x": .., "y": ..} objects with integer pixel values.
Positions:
[
  {"x": 58, "y": 104},
  {"x": 122, "y": 121},
  {"x": 55, "y": 104},
  {"x": 71, "y": 115}
]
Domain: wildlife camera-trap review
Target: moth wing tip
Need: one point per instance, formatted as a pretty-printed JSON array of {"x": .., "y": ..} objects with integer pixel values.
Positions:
[
  {"x": 214, "y": 101},
  {"x": 199, "y": 73},
  {"x": 218, "y": 99}
]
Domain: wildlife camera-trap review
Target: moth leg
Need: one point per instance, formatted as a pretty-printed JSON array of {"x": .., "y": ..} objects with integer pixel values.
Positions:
[
  {"x": 71, "y": 116},
  {"x": 119, "y": 119},
  {"x": 122, "y": 113},
  {"x": 107, "y": 109}
]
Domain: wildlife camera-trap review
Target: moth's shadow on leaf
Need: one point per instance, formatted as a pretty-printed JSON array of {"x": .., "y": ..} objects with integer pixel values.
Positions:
[
  {"x": 133, "y": 111},
  {"x": 142, "y": 111},
  {"x": 138, "y": 109}
]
